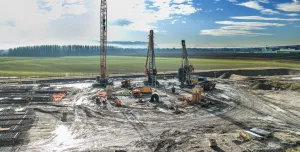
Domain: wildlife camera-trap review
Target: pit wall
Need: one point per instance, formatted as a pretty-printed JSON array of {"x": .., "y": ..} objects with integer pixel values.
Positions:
[{"x": 225, "y": 74}]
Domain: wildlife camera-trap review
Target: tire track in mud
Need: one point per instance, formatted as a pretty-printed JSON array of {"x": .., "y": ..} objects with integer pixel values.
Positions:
[
  {"x": 287, "y": 108},
  {"x": 139, "y": 127},
  {"x": 250, "y": 103}
]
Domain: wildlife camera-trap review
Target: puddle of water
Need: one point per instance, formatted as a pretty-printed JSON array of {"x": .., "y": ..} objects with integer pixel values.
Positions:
[
  {"x": 75, "y": 85},
  {"x": 224, "y": 96},
  {"x": 298, "y": 78},
  {"x": 63, "y": 135},
  {"x": 17, "y": 98},
  {"x": 8, "y": 77},
  {"x": 163, "y": 110}
]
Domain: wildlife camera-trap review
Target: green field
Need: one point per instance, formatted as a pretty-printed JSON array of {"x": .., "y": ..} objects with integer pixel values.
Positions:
[{"x": 21, "y": 66}]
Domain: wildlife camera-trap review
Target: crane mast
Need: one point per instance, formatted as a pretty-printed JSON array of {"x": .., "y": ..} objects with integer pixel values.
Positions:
[
  {"x": 150, "y": 67},
  {"x": 103, "y": 80},
  {"x": 184, "y": 73},
  {"x": 185, "y": 60},
  {"x": 103, "y": 38}
]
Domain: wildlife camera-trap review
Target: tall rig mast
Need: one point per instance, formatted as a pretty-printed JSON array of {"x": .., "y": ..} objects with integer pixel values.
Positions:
[
  {"x": 184, "y": 73},
  {"x": 150, "y": 67},
  {"x": 103, "y": 38},
  {"x": 103, "y": 80}
]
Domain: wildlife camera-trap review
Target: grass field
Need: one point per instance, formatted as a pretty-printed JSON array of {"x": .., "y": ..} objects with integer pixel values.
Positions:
[{"x": 21, "y": 66}]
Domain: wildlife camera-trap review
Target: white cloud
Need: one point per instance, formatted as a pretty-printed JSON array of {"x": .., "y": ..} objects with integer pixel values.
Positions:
[
  {"x": 174, "y": 21},
  {"x": 289, "y": 7},
  {"x": 263, "y": 1},
  {"x": 253, "y": 24},
  {"x": 184, "y": 22},
  {"x": 264, "y": 18},
  {"x": 181, "y": 1},
  {"x": 219, "y": 9},
  {"x": 143, "y": 15},
  {"x": 239, "y": 28},
  {"x": 255, "y": 5},
  {"x": 74, "y": 9},
  {"x": 76, "y": 21},
  {"x": 232, "y": 1},
  {"x": 221, "y": 32},
  {"x": 32, "y": 18},
  {"x": 293, "y": 14}
]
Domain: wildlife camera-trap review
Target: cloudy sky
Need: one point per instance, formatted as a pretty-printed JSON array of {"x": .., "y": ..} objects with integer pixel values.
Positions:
[{"x": 202, "y": 23}]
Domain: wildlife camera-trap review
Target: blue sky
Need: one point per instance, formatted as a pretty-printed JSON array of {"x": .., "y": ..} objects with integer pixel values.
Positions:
[{"x": 202, "y": 23}]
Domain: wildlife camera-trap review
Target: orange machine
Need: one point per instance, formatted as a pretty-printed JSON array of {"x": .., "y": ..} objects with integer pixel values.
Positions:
[
  {"x": 101, "y": 94},
  {"x": 58, "y": 96},
  {"x": 145, "y": 90},
  {"x": 140, "y": 91}
]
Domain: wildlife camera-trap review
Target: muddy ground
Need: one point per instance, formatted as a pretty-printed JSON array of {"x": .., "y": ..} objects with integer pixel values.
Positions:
[{"x": 155, "y": 127}]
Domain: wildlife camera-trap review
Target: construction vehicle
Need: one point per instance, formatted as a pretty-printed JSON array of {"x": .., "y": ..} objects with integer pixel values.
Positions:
[
  {"x": 140, "y": 91},
  {"x": 103, "y": 80},
  {"x": 150, "y": 67},
  {"x": 205, "y": 83},
  {"x": 126, "y": 84},
  {"x": 184, "y": 72}
]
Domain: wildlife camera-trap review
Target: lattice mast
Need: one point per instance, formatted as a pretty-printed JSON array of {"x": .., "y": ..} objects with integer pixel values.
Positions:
[
  {"x": 185, "y": 60},
  {"x": 103, "y": 38},
  {"x": 184, "y": 73},
  {"x": 150, "y": 67}
]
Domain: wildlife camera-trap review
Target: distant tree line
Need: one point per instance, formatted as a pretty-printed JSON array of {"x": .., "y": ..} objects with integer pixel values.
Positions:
[{"x": 88, "y": 50}]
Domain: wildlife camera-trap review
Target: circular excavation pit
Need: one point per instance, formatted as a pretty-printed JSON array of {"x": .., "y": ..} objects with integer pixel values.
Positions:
[{"x": 155, "y": 126}]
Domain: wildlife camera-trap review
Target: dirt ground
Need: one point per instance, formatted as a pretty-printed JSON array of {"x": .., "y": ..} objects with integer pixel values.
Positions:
[{"x": 155, "y": 127}]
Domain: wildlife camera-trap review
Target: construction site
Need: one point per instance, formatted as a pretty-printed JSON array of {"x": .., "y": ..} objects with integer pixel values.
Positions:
[{"x": 225, "y": 110}]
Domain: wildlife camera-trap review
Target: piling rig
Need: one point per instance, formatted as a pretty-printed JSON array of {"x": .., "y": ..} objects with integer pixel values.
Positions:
[
  {"x": 150, "y": 67},
  {"x": 184, "y": 72},
  {"x": 103, "y": 80}
]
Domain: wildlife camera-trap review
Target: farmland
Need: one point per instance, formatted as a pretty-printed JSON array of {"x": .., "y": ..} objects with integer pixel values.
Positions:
[{"x": 23, "y": 66}]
